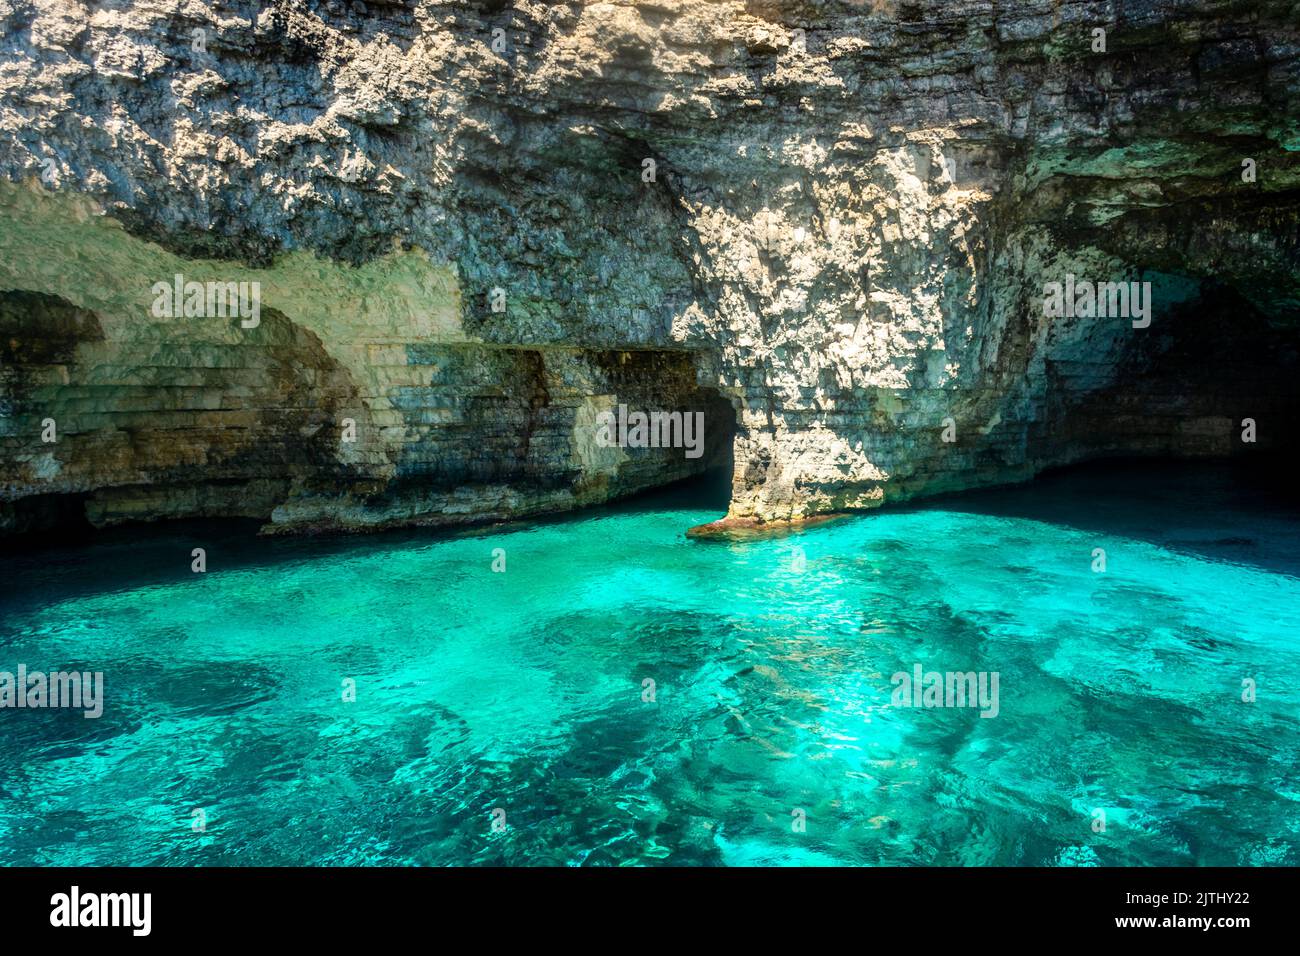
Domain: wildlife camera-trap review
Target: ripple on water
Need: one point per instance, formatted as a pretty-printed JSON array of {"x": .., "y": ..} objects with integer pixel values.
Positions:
[{"x": 627, "y": 696}]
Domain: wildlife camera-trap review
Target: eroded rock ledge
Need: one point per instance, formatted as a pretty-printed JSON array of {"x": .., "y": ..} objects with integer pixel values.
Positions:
[{"x": 840, "y": 258}]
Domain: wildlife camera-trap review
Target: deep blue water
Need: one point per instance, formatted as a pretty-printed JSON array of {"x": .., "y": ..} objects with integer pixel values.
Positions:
[{"x": 524, "y": 691}]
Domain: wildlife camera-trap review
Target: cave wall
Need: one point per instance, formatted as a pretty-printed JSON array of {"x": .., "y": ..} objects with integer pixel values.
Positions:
[
  {"x": 494, "y": 432},
  {"x": 159, "y": 424},
  {"x": 175, "y": 416},
  {"x": 854, "y": 209}
]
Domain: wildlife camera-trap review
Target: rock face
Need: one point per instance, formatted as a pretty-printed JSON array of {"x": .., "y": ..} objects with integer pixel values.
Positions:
[{"x": 829, "y": 227}]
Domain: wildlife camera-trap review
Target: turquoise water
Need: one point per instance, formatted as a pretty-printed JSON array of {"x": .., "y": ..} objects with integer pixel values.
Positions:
[{"x": 771, "y": 661}]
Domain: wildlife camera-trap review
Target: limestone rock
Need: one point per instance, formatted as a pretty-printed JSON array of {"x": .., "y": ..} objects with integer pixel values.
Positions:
[{"x": 827, "y": 224}]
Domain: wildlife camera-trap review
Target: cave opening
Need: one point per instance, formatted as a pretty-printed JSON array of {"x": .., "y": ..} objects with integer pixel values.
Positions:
[
  {"x": 710, "y": 489},
  {"x": 1213, "y": 377},
  {"x": 660, "y": 428}
]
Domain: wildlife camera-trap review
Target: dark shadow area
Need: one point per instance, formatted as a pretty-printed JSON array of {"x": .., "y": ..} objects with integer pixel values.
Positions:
[
  {"x": 1244, "y": 511},
  {"x": 1185, "y": 386},
  {"x": 159, "y": 553},
  {"x": 710, "y": 491}
]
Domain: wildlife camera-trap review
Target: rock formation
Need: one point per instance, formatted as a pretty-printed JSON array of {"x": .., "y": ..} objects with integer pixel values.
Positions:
[{"x": 475, "y": 226}]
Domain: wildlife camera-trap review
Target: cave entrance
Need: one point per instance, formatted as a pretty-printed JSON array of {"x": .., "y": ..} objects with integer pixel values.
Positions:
[
  {"x": 1212, "y": 377},
  {"x": 664, "y": 428},
  {"x": 711, "y": 488}
]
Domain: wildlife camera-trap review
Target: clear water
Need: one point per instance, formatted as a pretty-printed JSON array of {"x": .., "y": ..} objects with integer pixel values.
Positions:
[{"x": 523, "y": 690}]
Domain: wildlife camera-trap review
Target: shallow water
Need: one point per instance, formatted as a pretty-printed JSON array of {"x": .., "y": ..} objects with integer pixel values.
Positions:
[{"x": 771, "y": 660}]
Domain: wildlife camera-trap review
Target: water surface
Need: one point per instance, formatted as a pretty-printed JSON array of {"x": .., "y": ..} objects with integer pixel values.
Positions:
[{"x": 771, "y": 661}]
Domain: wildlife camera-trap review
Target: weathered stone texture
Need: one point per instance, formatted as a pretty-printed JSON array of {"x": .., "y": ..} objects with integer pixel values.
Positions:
[{"x": 854, "y": 209}]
